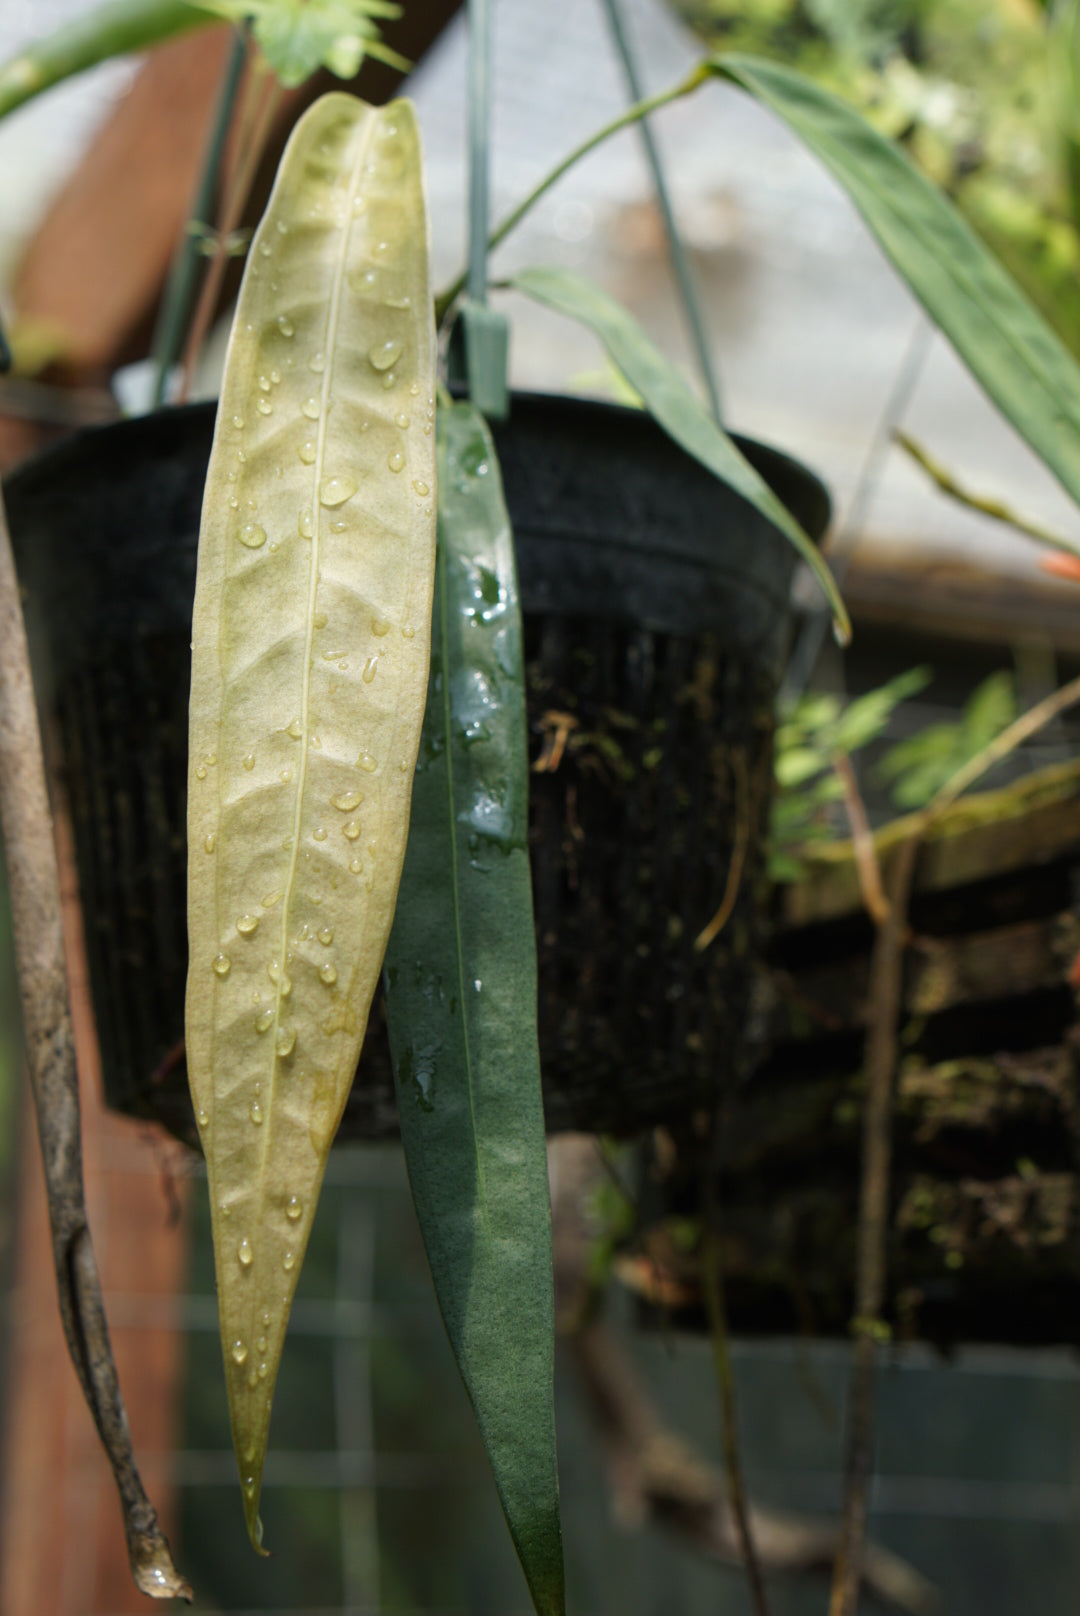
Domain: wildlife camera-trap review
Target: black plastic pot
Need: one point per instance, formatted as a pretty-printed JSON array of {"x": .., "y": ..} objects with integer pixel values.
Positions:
[{"x": 656, "y": 611}]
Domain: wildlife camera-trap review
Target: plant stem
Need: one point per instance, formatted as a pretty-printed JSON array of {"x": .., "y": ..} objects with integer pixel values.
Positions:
[
  {"x": 712, "y": 1284},
  {"x": 181, "y": 282},
  {"x": 692, "y": 310},
  {"x": 699, "y": 75},
  {"x": 886, "y": 972},
  {"x": 34, "y": 885},
  {"x": 985, "y": 505},
  {"x": 113, "y": 29},
  {"x": 265, "y": 97},
  {"x": 867, "y": 867}
]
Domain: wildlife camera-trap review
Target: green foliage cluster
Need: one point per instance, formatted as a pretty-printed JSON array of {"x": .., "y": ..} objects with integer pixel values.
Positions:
[
  {"x": 979, "y": 92},
  {"x": 820, "y": 728},
  {"x": 297, "y": 37}
]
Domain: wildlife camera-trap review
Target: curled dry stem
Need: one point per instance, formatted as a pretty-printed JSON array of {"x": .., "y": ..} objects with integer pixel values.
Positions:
[
  {"x": 711, "y": 932},
  {"x": 39, "y": 955}
]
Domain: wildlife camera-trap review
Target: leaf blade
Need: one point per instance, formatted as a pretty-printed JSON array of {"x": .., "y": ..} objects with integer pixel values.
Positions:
[
  {"x": 309, "y": 672},
  {"x": 1006, "y": 344},
  {"x": 461, "y": 1007},
  {"x": 672, "y": 403}
]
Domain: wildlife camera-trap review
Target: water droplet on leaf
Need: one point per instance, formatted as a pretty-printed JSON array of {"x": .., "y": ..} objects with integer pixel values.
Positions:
[{"x": 385, "y": 354}]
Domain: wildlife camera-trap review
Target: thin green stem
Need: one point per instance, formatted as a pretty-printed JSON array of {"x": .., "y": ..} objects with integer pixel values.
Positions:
[
  {"x": 653, "y": 103},
  {"x": 176, "y": 303},
  {"x": 680, "y": 264},
  {"x": 265, "y": 93},
  {"x": 109, "y": 30}
]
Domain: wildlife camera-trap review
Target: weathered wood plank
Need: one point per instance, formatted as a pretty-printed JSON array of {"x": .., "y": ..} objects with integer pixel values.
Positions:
[{"x": 1033, "y": 822}]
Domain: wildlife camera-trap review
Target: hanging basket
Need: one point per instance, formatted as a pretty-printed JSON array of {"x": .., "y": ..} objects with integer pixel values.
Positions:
[{"x": 656, "y": 619}]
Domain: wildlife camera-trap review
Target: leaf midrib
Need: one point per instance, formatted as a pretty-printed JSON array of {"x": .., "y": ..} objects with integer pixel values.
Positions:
[{"x": 330, "y": 350}]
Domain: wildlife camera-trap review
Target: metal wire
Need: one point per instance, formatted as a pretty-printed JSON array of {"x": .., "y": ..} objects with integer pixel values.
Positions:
[{"x": 692, "y": 310}]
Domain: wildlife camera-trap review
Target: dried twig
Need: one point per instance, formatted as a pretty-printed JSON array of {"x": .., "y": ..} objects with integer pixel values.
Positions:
[
  {"x": 39, "y": 955},
  {"x": 712, "y": 1284},
  {"x": 716, "y": 925},
  {"x": 862, "y": 842},
  {"x": 885, "y": 981}
]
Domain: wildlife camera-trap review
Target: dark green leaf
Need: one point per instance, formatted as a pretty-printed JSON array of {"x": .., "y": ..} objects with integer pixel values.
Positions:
[
  {"x": 461, "y": 1005},
  {"x": 671, "y": 402},
  {"x": 1000, "y": 336}
]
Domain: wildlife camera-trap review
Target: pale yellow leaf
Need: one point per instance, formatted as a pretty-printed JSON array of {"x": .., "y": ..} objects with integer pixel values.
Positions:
[{"x": 309, "y": 672}]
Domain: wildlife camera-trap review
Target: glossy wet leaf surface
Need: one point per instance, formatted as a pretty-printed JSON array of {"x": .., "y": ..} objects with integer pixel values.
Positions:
[
  {"x": 672, "y": 403},
  {"x": 461, "y": 1006},
  {"x": 309, "y": 674},
  {"x": 1006, "y": 344}
]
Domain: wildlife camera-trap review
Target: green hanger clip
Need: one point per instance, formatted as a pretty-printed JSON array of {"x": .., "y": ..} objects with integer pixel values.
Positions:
[{"x": 479, "y": 349}]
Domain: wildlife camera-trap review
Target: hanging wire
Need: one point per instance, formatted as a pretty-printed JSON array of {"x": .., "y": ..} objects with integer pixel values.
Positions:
[
  {"x": 692, "y": 310},
  {"x": 479, "y": 145},
  {"x": 804, "y": 657}
]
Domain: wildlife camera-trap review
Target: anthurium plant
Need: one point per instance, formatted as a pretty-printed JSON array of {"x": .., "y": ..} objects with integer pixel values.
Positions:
[{"x": 358, "y": 781}]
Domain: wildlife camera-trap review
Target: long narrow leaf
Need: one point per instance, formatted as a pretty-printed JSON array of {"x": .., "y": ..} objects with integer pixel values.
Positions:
[
  {"x": 669, "y": 399},
  {"x": 461, "y": 1006},
  {"x": 109, "y": 30},
  {"x": 1000, "y": 336},
  {"x": 309, "y": 677}
]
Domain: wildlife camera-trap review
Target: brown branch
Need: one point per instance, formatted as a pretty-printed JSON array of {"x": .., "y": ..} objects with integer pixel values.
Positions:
[
  {"x": 259, "y": 105},
  {"x": 863, "y": 850},
  {"x": 39, "y": 955},
  {"x": 886, "y": 973}
]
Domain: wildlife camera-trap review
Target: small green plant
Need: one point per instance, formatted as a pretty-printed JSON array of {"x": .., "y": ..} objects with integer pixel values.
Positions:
[
  {"x": 809, "y": 738},
  {"x": 917, "y": 768}
]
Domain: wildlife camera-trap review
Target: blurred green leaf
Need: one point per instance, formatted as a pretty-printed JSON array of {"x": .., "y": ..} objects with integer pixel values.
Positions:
[
  {"x": 864, "y": 718},
  {"x": 297, "y": 37},
  {"x": 670, "y": 401},
  {"x": 920, "y": 765},
  {"x": 797, "y": 764}
]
